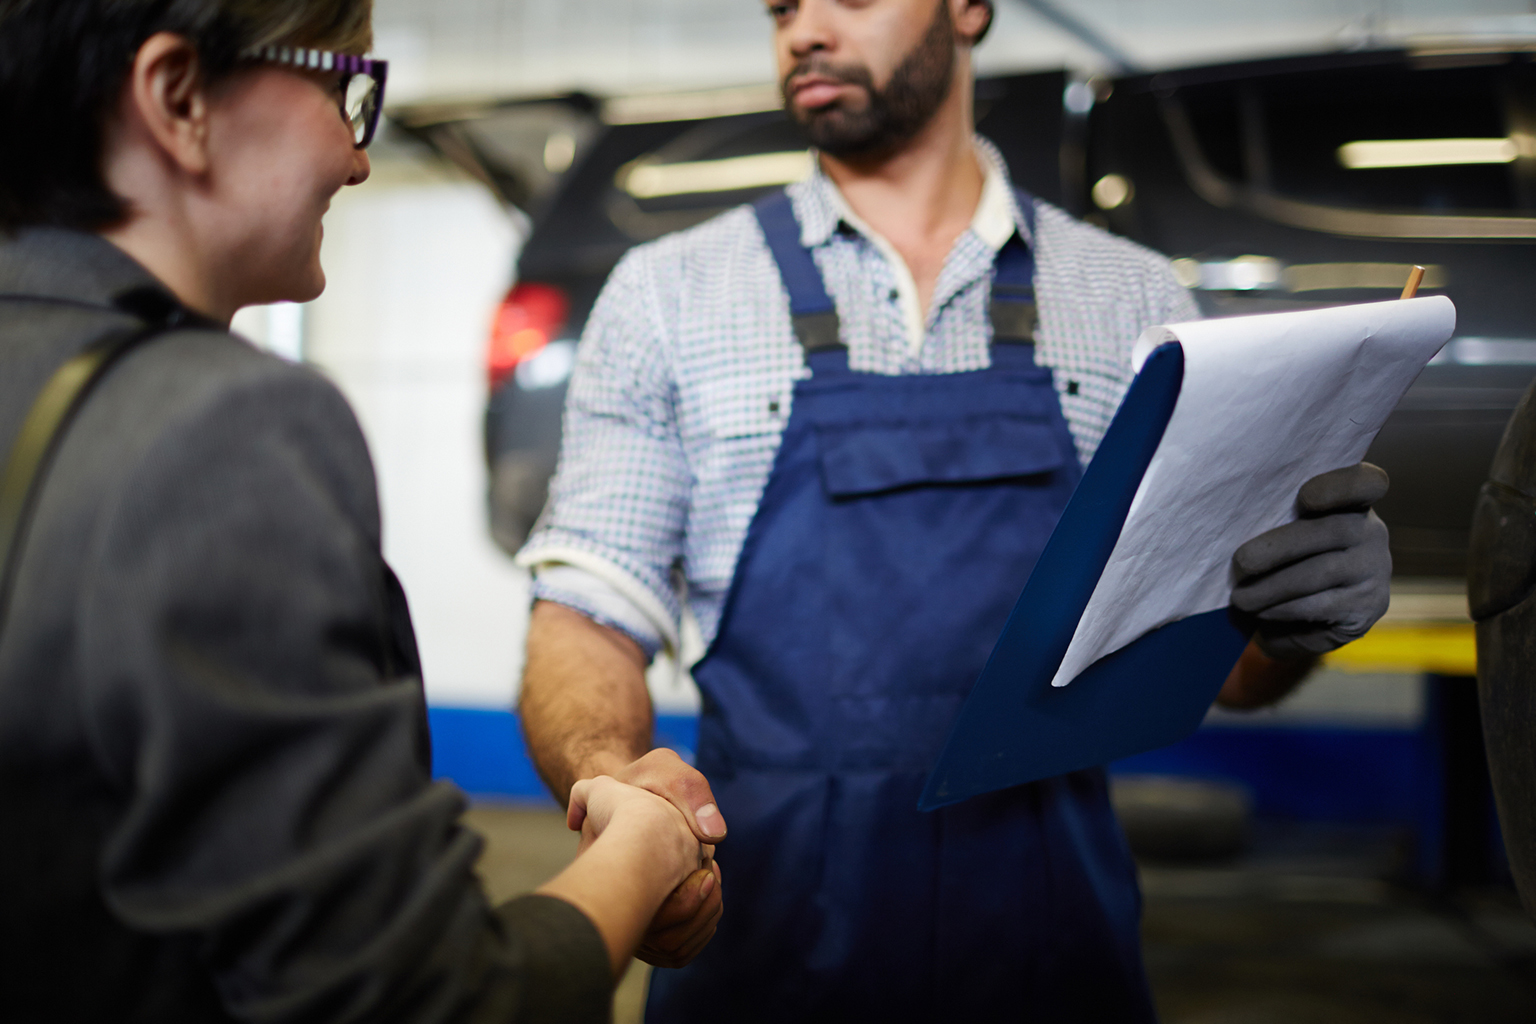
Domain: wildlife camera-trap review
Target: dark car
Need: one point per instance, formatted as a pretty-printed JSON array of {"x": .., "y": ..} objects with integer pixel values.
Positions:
[{"x": 1277, "y": 184}]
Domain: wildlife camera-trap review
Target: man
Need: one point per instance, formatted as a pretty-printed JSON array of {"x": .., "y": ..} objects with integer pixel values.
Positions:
[{"x": 824, "y": 417}]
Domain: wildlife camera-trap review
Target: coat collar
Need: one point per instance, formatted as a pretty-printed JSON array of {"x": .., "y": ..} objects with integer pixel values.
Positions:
[{"x": 79, "y": 268}]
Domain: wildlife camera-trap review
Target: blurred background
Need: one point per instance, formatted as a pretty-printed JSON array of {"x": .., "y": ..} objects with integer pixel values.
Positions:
[{"x": 1332, "y": 859}]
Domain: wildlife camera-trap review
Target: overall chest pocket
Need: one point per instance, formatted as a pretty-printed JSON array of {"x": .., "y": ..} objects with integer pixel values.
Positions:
[{"x": 866, "y": 459}]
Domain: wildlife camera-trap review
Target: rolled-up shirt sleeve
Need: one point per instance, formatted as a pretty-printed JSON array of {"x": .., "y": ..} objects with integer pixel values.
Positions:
[
  {"x": 252, "y": 689},
  {"x": 619, "y": 500}
]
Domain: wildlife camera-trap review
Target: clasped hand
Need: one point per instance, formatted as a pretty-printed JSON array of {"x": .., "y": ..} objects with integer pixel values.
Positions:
[{"x": 677, "y": 801}]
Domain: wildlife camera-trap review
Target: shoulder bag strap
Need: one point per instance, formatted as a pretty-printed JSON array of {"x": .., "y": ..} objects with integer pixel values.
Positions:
[{"x": 38, "y": 440}]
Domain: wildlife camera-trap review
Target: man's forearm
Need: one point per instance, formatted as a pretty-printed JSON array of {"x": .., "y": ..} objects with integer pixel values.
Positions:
[
  {"x": 1257, "y": 680},
  {"x": 584, "y": 705}
]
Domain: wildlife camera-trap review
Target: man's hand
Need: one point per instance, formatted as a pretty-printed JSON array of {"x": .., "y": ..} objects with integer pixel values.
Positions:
[
  {"x": 671, "y": 778},
  {"x": 686, "y": 921},
  {"x": 688, "y": 918},
  {"x": 1319, "y": 582}
]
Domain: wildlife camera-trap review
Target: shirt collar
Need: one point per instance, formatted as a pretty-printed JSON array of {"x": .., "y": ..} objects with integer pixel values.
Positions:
[{"x": 820, "y": 206}]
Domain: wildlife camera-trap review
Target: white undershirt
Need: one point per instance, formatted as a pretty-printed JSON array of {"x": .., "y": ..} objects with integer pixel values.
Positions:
[{"x": 992, "y": 223}]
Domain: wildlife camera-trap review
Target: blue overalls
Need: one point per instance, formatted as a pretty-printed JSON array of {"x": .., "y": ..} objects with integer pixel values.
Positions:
[{"x": 899, "y": 524}]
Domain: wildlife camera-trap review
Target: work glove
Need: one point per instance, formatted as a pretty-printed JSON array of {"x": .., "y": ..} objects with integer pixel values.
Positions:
[{"x": 1317, "y": 583}]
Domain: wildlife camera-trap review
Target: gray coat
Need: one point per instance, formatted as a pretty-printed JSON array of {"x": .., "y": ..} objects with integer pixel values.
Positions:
[{"x": 215, "y": 798}]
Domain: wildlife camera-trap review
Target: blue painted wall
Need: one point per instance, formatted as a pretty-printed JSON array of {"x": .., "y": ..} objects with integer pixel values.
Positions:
[
  {"x": 1320, "y": 774},
  {"x": 1308, "y": 774},
  {"x": 483, "y": 752}
]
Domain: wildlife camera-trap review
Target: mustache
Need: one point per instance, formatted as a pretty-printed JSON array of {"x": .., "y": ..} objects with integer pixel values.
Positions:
[{"x": 847, "y": 74}]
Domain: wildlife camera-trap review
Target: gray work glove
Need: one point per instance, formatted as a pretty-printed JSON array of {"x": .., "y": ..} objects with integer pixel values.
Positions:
[{"x": 1318, "y": 583}]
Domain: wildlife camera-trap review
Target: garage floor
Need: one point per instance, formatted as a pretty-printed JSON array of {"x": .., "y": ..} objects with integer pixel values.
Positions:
[{"x": 1304, "y": 929}]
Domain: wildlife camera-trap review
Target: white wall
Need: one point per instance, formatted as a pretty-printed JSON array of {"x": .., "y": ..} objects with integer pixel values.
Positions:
[{"x": 417, "y": 260}]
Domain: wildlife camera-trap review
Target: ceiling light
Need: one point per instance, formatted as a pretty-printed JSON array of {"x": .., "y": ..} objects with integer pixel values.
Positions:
[
  {"x": 559, "y": 152},
  {"x": 690, "y": 106},
  {"x": 1314, "y": 277},
  {"x": 645, "y": 180},
  {"x": 1244, "y": 274},
  {"x": 1431, "y": 152},
  {"x": 1263, "y": 273},
  {"x": 1112, "y": 191},
  {"x": 1487, "y": 352}
]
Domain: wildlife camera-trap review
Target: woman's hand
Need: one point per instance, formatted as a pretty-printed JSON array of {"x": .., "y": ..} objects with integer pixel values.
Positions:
[
  {"x": 636, "y": 848},
  {"x": 686, "y": 921},
  {"x": 602, "y": 802}
]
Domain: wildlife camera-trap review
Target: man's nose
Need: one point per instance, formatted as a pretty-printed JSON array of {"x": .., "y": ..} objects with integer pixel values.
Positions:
[{"x": 811, "y": 31}]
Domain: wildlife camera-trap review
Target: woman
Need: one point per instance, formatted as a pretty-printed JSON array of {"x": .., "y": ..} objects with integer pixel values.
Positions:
[{"x": 213, "y": 758}]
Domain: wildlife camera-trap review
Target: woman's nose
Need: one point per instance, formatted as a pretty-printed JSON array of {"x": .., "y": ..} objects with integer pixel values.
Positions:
[{"x": 361, "y": 167}]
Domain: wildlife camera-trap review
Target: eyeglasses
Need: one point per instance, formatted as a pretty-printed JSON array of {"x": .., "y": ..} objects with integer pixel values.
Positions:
[{"x": 362, "y": 82}]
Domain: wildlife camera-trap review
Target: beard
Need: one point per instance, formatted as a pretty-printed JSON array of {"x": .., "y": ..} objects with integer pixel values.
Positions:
[{"x": 893, "y": 115}]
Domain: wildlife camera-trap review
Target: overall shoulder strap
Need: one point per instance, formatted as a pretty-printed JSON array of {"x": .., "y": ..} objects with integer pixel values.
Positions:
[
  {"x": 810, "y": 307},
  {"x": 1013, "y": 311},
  {"x": 45, "y": 424},
  {"x": 1026, "y": 201}
]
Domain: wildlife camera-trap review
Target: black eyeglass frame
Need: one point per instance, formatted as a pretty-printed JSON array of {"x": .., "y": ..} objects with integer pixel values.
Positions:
[{"x": 346, "y": 64}]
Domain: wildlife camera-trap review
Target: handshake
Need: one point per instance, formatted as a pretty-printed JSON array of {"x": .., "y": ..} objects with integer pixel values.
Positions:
[{"x": 645, "y": 872}]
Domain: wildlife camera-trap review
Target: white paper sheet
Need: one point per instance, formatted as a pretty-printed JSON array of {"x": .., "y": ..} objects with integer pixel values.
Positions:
[{"x": 1267, "y": 403}]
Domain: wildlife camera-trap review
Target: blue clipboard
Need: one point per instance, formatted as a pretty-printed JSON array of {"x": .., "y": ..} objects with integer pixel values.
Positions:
[{"x": 1016, "y": 727}]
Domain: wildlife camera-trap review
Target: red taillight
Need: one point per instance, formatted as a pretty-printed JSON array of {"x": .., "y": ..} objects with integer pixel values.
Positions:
[{"x": 528, "y": 319}]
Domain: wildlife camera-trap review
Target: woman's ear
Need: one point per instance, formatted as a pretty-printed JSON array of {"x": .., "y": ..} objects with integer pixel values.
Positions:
[{"x": 166, "y": 96}]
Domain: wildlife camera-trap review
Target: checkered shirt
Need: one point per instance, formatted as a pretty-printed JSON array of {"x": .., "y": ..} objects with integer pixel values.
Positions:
[{"x": 685, "y": 376}]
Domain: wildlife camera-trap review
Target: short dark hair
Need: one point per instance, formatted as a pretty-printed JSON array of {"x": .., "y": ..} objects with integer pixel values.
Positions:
[{"x": 63, "y": 64}]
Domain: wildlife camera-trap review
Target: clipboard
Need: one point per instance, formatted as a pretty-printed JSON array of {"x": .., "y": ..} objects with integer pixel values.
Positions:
[
  {"x": 1082, "y": 677},
  {"x": 1149, "y": 694}
]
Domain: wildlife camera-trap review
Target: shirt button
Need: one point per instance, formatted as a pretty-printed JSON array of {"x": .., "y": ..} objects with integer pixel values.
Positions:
[{"x": 895, "y": 295}]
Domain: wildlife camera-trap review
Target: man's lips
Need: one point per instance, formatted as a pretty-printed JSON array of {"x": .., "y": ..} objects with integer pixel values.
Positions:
[{"x": 814, "y": 91}]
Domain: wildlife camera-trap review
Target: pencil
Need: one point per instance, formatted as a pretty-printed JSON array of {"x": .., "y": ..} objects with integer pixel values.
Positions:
[{"x": 1415, "y": 277}]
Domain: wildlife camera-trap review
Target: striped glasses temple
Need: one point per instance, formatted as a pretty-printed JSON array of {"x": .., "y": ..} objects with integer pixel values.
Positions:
[
  {"x": 319, "y": 60},
  {"x": 363, "y": 89}
]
